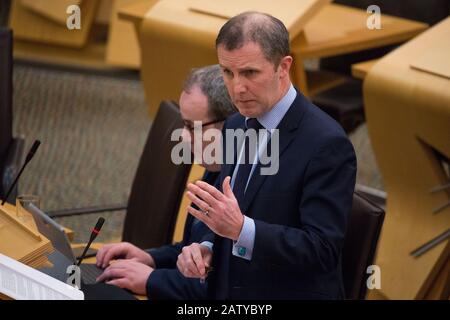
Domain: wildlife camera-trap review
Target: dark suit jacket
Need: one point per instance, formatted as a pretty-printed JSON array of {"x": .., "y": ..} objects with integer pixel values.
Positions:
[
  {"x": 166, "y": 282},
  {"x": 300, "y": 214}
]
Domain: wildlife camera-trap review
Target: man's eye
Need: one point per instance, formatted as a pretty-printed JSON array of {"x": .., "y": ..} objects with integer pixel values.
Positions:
[
  {"x": 249, "y": 72},
  {"x": 228, "y": 73}
]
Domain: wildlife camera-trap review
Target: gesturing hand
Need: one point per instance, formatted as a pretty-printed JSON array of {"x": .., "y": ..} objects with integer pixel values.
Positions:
[{"x": 219, "y": 211}]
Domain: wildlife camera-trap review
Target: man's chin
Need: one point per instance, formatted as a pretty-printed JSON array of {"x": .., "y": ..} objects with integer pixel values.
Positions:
[{"x": 247, "y": 110}]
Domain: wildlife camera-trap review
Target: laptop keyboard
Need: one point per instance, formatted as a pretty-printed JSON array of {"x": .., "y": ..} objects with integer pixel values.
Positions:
[{"x": 90, "y": 272}]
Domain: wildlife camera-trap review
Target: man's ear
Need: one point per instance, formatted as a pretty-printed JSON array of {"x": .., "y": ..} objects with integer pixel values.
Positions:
[{"x": 285, "y": 66}]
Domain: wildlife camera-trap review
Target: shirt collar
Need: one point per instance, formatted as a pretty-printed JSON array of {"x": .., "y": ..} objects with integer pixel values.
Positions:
[{"x": 272, "y": 119}]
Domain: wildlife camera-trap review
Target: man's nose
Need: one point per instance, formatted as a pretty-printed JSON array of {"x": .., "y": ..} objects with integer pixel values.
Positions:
[{"x": 239, "y": 86}]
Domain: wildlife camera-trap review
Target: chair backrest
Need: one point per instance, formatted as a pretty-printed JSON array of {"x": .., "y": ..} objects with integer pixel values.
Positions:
[
  {"x": 158, "y": 185},
  {"x": 364, "y": 226},
  {"x": 5, "y": 95},
  {"x": 4, "y": 12}
]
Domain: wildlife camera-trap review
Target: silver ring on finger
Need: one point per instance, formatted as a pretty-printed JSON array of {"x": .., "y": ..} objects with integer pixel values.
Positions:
[{"x": 206, "y": 212}]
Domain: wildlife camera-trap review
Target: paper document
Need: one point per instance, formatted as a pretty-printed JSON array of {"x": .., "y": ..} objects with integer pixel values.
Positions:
[{"x": 22, "y": 282}]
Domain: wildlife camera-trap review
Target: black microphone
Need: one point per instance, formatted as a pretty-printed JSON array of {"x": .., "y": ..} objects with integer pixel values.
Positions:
[
  {"x": 94, "y": 235},
  {"x": 30, "y": 155}
]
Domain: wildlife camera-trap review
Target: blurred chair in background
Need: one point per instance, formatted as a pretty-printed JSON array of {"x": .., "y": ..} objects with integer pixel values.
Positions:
[
  {"x": 157, "y": 188},
  {"x": 363, "y": 231}
]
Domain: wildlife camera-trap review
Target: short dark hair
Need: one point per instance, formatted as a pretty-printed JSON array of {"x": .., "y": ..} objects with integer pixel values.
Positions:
[
  {"x": 265, "y": 30},
  {"x": 210, "y": 81}
]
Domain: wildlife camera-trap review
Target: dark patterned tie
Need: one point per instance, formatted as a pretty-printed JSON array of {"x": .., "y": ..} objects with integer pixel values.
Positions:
[
  {"x": 218, "y": 282},
  {"x": 245, "y": 168}
]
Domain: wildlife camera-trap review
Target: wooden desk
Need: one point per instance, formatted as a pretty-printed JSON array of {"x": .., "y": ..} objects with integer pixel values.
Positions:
[
  {"x": 136, "y": 11},
  {"x": 408, "y": 117},
  {"x": 54, "y": 10},
  {"x": 123, "y": 45},
  {"x": 91, "y": 56},
  {"x": 335, "y": 30},
  {"x": 29, "y": 26},
  {"x": 20, "y": 240},
  {"x": 29, "y": 222},
  {"x": 339, "y": 29},
  {"x": 361, "y": 69},
  {"x": 44, "y": 23},
  {"x": 169, "y": 29}
]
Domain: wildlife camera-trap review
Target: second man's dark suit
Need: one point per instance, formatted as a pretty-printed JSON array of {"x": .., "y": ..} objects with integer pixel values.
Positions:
[{"x": 166, "y": 282}]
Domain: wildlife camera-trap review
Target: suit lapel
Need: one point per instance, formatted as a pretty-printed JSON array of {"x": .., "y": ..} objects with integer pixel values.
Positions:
[
  {"x": 227, "y": 171},
  {"x": 287, "y": 131}
]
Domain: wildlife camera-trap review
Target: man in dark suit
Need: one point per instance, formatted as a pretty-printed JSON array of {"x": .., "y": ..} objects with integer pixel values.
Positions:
[
  {"x": 278, "y": 236},
  {"x": 153, "y": 272}
]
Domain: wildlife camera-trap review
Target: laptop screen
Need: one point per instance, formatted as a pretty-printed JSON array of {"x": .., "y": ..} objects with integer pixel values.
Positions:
[{"x": 52, "y": 231}]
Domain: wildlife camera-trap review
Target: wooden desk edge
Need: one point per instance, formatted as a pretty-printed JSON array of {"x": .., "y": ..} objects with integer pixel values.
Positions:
[
  {"x": 360, "y": 69},
  {"x": 135, "y": 12}
]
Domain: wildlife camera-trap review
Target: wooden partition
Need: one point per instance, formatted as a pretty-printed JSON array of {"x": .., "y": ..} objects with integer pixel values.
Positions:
[{"x": 407, "y": 101}]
